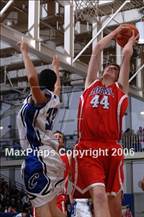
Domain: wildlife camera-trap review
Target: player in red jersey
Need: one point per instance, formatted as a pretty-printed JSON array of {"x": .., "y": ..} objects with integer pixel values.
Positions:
[
  {"x": 63, "y": 197},
  {"x": 102, "y": 105}
]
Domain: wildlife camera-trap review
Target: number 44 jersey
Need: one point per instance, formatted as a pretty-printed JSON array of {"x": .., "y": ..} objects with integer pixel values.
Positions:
[
  {"x": 35, "y": 122},
  {"x": 101, "y": 109}
]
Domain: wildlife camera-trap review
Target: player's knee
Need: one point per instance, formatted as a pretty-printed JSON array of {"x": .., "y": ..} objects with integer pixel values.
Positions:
[{"x": 99, "y": 197}]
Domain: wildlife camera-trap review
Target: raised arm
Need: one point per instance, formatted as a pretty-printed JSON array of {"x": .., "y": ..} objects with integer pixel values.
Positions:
[
  {"x": 127, "y": 53},
  {"x": 37, "y": 94},
  {"x": 94, "y": 63},
  {"x": 56, "y": 66}
]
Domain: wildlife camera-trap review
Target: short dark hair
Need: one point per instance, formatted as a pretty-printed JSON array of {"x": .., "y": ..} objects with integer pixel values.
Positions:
[
  {"x": 58, "y": 131},
  {"x": 47, "y": 79},
  {"x": 113, "y": 64}
]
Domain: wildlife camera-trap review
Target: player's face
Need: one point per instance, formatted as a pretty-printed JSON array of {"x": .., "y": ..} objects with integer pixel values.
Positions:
[
  {"x": 111, "y": 71},
  {"x": 60, "y": 139}
]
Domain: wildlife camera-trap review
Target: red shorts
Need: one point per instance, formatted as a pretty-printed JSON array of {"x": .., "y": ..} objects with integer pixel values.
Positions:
[{"x": 101, "y": 165}]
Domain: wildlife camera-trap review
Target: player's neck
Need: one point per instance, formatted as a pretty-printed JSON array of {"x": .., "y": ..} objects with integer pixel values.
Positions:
[{"x": 107, "y": 81}]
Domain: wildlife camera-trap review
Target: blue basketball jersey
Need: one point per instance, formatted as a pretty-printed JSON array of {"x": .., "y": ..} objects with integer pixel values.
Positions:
[{"x": 35, "y": 122}]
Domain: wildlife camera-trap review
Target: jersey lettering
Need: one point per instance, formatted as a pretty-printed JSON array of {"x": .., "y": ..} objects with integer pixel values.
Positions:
[
  {"x": 96, "y": 101},
  {"x": 51, "y": 113},
  {"x": 32, "y": 182}
]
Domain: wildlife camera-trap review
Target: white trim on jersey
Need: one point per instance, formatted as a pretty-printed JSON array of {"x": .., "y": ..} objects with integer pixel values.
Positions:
[
  {"x": 80, "y": 114},
  {"x": 117, "y": 84},
  {"x": 119, "y": 110}
]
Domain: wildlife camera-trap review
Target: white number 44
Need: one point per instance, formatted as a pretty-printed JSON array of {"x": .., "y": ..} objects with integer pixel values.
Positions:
[{"x": 95, "y": 102}]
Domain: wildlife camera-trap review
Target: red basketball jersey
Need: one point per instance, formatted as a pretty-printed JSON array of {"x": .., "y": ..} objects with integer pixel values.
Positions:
[{"x": 100, "y": 112}]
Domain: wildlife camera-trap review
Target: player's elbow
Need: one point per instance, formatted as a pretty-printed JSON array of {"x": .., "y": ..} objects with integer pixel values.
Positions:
[
  {"x": 58, "y": 87},
  {"x": 32, "y": 80},
  {"x": 98, "y": 47},
  {"x": 57, "y": 90}
]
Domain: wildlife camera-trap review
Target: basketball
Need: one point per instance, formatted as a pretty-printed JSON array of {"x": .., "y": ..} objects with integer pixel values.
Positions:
[{"x": 123, "y": 37}]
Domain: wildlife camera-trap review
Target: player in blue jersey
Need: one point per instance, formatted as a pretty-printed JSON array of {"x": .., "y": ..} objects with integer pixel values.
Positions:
[{"x": 42, "y": 169}]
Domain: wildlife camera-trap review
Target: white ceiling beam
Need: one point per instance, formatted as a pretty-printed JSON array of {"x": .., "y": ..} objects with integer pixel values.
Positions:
[
  {"x": 69, "y": 31},
  {"x": 4, "y": 9},
  {"x": 63, "y": 3},
  {"x": 34, "y": 19},
  {"x": 45, "y": 53},
  {"x": 132, "y": 15}
]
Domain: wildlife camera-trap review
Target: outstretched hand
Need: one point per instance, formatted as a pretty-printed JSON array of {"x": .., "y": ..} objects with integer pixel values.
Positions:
[
  {"x": 23, "y": 46},
  {"x": 56, "y": 62},
  {"x": 128, "y": 48},
  {"x": 134, "y": 38}
]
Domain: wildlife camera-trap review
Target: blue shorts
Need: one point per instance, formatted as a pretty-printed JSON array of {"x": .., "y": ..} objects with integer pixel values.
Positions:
[{"x": 43, "y": 176}]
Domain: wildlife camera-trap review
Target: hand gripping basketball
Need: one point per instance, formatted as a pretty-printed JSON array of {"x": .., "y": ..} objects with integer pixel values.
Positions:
[{"x": 123, "y": 36}]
